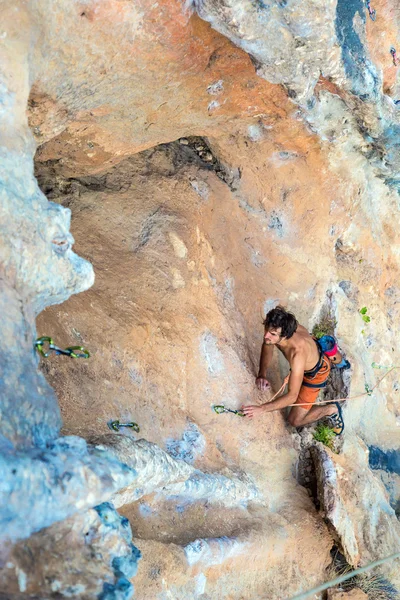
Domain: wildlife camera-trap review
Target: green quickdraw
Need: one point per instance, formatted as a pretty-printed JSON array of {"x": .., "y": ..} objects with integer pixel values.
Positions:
[
  {"x": 220, "y": 408},
  {"x": 116, "y": 426},
  {"x": 51, "y": 347}
]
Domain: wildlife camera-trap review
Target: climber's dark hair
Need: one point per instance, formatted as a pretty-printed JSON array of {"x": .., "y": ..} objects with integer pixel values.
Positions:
[{"x": 280, "y": 317}]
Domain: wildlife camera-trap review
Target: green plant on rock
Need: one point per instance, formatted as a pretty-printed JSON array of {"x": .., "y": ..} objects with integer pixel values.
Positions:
[
  {"x": 368, "y": 389},
  {"x": 363, "y": 312},
  {"x": 326, "y": 435},
  {"x": 326, "y": 326}
]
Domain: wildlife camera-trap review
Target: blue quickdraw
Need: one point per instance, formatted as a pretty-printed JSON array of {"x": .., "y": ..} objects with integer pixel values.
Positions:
[
  {"x": 396, "y": 60},
  {"x": 371, "y": 11}
]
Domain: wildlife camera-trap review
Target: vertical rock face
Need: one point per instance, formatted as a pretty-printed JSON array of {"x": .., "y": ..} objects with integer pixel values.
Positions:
[
  {"x": 38, "y": 267},
  {"x": 100, "y": 539},
  {"x": 43, "y": 480},
  {"x": 355, "y": 504},
  {"x": 274, "y": 185},
  {"x": 291, "y": 44}
]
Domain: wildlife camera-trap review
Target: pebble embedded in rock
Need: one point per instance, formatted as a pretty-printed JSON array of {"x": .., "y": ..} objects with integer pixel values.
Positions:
[{"x": 184, "y": 141}]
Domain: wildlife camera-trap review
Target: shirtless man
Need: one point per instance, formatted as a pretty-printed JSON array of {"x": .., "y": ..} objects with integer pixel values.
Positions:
[{"x": 309, "y": 371}]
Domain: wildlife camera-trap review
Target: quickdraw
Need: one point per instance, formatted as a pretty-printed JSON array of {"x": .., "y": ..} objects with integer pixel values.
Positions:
[
  {"x": 371, "y": 11},
  {"x": 396, "y": 60},
  {"x": 51, "y": 347},
  {"x": 220, "y": 408},
  {"x": 116, "y": 426}
]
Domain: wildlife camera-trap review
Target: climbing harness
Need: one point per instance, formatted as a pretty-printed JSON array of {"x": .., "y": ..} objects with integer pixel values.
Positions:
[
  {"x": 220, "y": 408},
  {"x": 322, "y": 367},
  {"x": 70, "y": 351},
  {"x": 371, "y": 11},
  {"x": 329, "y": 354},
  {"x": 116, "y": 426},
  {"x": 368, "y": 391},
  {"x": 396, "y": 59}
]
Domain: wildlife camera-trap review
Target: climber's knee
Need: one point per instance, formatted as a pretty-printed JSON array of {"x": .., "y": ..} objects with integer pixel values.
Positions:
[{"x": 295, "y": 417}]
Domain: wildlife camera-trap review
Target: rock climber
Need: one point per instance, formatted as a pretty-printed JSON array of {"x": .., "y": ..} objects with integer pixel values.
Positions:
[{"x": 309, "y": 372}]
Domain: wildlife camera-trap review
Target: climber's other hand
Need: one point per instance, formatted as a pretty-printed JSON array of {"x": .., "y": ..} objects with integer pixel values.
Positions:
[{"x": 262, "y": 384}]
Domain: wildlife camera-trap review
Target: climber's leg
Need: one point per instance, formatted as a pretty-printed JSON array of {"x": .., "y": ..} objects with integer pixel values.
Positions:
[
  {"x": 300, "y": 416},
  {"x": 307, "y": 411}
]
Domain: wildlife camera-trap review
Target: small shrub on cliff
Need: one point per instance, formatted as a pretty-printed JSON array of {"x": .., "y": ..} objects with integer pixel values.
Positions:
[
  {"x": 374, "y": 585},
  {"x": 326, "y": 326},
  {"x": 326, "y": 435}
]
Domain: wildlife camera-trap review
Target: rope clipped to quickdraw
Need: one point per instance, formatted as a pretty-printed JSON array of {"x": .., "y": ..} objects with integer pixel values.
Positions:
[
  {"x": 368, "y": 390},
  {"x": 71, "y": 351},
  {"x": 371, "y": 11},
  {"x": 220, "y": 408},
  {"x": 116, "y": 426}
]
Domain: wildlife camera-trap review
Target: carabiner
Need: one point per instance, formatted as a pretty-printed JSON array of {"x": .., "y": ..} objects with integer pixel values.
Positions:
[
  {"x": 70, "y": 351},
  {"x": 220, "y": 408},
  {"x": 83, "y": 353},
  {"x": 39, "y": 345},
  {"x": 116, "y": 425}
]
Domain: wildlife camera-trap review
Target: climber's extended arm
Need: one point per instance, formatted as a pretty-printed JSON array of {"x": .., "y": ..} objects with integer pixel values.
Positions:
[
  {"x": 265, "y": 359},
  {"x": 294, "y": 385}
]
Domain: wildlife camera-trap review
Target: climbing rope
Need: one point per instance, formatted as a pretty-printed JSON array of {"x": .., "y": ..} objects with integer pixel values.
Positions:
[
  {"x": 220, "y": 408},
  {"x": 368, "y": 391},
  {"x": 343, "y": 578},
  {"x": 116, "y": 426},
  {"x": 51, "y": 347}
]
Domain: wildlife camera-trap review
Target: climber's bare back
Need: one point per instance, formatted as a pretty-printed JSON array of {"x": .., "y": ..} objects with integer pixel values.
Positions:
[{"x": 301, "y": 343}]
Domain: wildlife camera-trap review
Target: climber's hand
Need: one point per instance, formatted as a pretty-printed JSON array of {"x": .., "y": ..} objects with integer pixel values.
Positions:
[
  {"x": 252, "y": 411},
  {"x": 262, "y": 383}
]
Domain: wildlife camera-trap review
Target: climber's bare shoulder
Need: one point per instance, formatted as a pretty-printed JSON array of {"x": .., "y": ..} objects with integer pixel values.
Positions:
[{"x": 300, "y": 348}]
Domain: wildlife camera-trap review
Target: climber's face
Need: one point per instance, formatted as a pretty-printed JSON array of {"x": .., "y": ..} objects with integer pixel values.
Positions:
[{"x": 272, "y": 336}]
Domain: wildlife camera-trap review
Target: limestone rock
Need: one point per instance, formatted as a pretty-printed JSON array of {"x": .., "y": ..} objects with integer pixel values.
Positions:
[
  {"x": 355, "y": 594},
  {"x": 297, "y": 204},
  {"x": 96, "y": 552},
  {"x": 42, "y": 487},
  {"x": 280, "y": 38},
  {"x": 157, "y": 471},
  {"x": 159, "y": 74},
  {"x": 355, "y": 504}
]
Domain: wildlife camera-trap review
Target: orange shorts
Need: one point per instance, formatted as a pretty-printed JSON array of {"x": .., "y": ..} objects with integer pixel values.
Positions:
[{"x": 308, "y": 395}]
